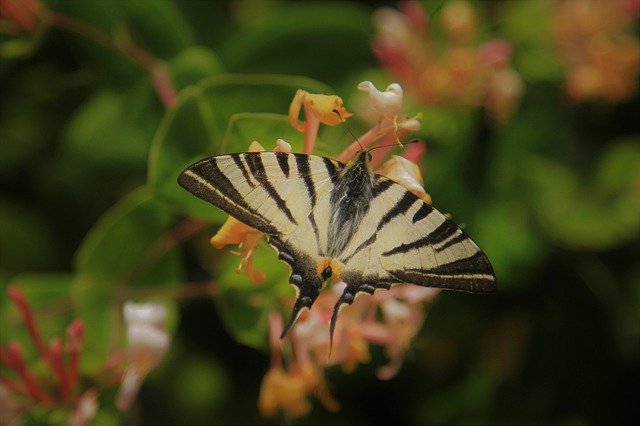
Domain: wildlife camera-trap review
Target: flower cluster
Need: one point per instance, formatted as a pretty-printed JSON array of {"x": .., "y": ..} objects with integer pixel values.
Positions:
[
  {"x": 596, "y": 43},
  {"x": 23, "y": 386},
  {"x": 390, "y": 319},
  {"x": 458, "y": 72},
  {"x": 21, "y": 16}
]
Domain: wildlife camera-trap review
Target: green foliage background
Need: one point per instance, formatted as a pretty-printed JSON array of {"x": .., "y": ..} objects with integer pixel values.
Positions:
[{"x": 89, "y": 157}]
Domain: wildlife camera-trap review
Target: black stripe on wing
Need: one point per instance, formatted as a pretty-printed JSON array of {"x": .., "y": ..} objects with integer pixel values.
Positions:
[
  {"x": 446, "y": 230},
  {"x": 473, "y": 274},
  {"x": 198, "y": 179},
  {"x": 402, "y": 205},
  {"x": 236, "y": 159},
  {"x": 333, "y": 168},
  {"x": 256, "y": 167},
  {"x": 304, "y": 171}
]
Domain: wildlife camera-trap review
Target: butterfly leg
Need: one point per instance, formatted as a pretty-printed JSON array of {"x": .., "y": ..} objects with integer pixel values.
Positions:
[{"x": 303, "y": 277}]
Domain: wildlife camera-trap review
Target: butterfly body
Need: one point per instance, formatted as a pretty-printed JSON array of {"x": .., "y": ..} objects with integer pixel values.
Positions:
[{"x": 330, "y": 220}]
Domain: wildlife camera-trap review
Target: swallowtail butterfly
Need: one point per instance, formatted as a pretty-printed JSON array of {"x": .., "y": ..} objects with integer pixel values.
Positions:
[{"x": 329, "y": 219}]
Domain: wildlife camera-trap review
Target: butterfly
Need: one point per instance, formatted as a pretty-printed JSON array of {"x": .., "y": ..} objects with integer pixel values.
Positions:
[{"x": 328, "y": 219}]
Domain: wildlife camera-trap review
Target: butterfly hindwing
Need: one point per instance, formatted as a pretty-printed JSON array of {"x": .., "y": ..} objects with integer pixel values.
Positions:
[{"x": 415, "y": 243}]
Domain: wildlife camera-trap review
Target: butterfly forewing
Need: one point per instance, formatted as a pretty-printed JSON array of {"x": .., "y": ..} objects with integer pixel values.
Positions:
[{"x": 272, "y": 192}]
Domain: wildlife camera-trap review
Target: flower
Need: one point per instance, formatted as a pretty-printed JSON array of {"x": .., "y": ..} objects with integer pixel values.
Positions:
[
  {"x": 387, "y": 106},
  {"x": 596, "y": 43},
  {"x": 325, "y": 109},
  {"x": 86, "y": 409},
  {"x": 461, "y": 73},
  {"x": 148, "y": 343},
  {"x": 288, "y": 390},
  {"x": 385, "y": 109},
  {"x": 21, "y": 16}
]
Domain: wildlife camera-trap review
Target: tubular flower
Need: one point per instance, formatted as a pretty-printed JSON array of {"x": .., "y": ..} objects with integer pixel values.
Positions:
[
  {"x": 596, "y": 43},
  {"x": 387, "y": 106},
  {"x": 148, "y": 343},
  {"x": 247, "y": 238},
  {"x": 457, "y": 75},
  {"x": 325, "y": 109},
  {"x": 288, "y": 390},
  {"x": 385, "y": 109}
]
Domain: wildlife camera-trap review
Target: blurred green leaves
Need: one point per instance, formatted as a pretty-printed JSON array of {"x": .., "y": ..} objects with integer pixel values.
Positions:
[
  {"x": 596, "y": 215},
  {"x": 128, "y": 247}
]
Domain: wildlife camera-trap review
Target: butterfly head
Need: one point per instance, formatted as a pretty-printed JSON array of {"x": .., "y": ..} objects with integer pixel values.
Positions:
[{"x": 361, "y": 159}]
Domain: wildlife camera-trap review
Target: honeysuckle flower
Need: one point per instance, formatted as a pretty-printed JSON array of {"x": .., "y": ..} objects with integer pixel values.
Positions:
[
  {"x": 86, "y": 409},
  {"x": 460, "y": 74},
  {"x": 318, "y": 108},
  {"x": 288, "y": 390},
  {"x": 247, "y": 238},
  {"x": 385, "y": 109},
  {"x": 21, "y": 16},
  {"x": 597, "y": 45},
  {"x": 387, "y": 106},
  {"x": 407, "y": 174},
  {"x": 148, "y": 342}
]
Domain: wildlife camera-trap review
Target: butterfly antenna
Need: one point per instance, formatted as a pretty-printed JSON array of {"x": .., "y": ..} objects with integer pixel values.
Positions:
[
  {"x": 412, "y": 141},
  {"x": 348, "y": 129}
]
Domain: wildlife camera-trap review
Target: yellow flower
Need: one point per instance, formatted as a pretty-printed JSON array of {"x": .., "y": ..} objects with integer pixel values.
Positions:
[
  {"x": 289, "y": 391},
  {"x": 327, "y": 109}
]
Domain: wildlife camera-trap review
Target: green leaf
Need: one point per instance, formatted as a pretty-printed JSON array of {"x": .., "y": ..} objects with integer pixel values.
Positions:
[
  {"x": 163, "y": 29},
  {"x": 324, "y": 40},
  {"x": 112, "y": 130},
  {"x": 201, "y": 125},
  {"x": 598, "y": 215},
  {"x": 118, "y": 248},
  {"x": 506, "y": 233},
  {"x": 192, "y": 65}
]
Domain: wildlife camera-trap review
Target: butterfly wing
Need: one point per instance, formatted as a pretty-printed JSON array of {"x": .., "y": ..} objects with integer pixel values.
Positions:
[
  {"x": 283, "y": 195},
  {"x": 402, "y": 239}
]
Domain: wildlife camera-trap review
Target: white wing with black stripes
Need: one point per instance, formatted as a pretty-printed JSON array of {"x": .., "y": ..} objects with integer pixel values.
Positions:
[{"x": 328, "y": 219}]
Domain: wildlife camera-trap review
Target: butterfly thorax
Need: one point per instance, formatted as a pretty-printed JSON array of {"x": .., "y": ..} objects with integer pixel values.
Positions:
[{"x": 350, "y": 200}]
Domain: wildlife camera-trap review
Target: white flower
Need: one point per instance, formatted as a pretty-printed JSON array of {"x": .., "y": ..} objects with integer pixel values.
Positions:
[
  {"x": 148, "y": 342},
  {"x": 387, "y": 106}
]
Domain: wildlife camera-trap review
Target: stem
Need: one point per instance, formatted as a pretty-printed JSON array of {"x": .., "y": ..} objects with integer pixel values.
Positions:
[{"x": 154, "y": 67}]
